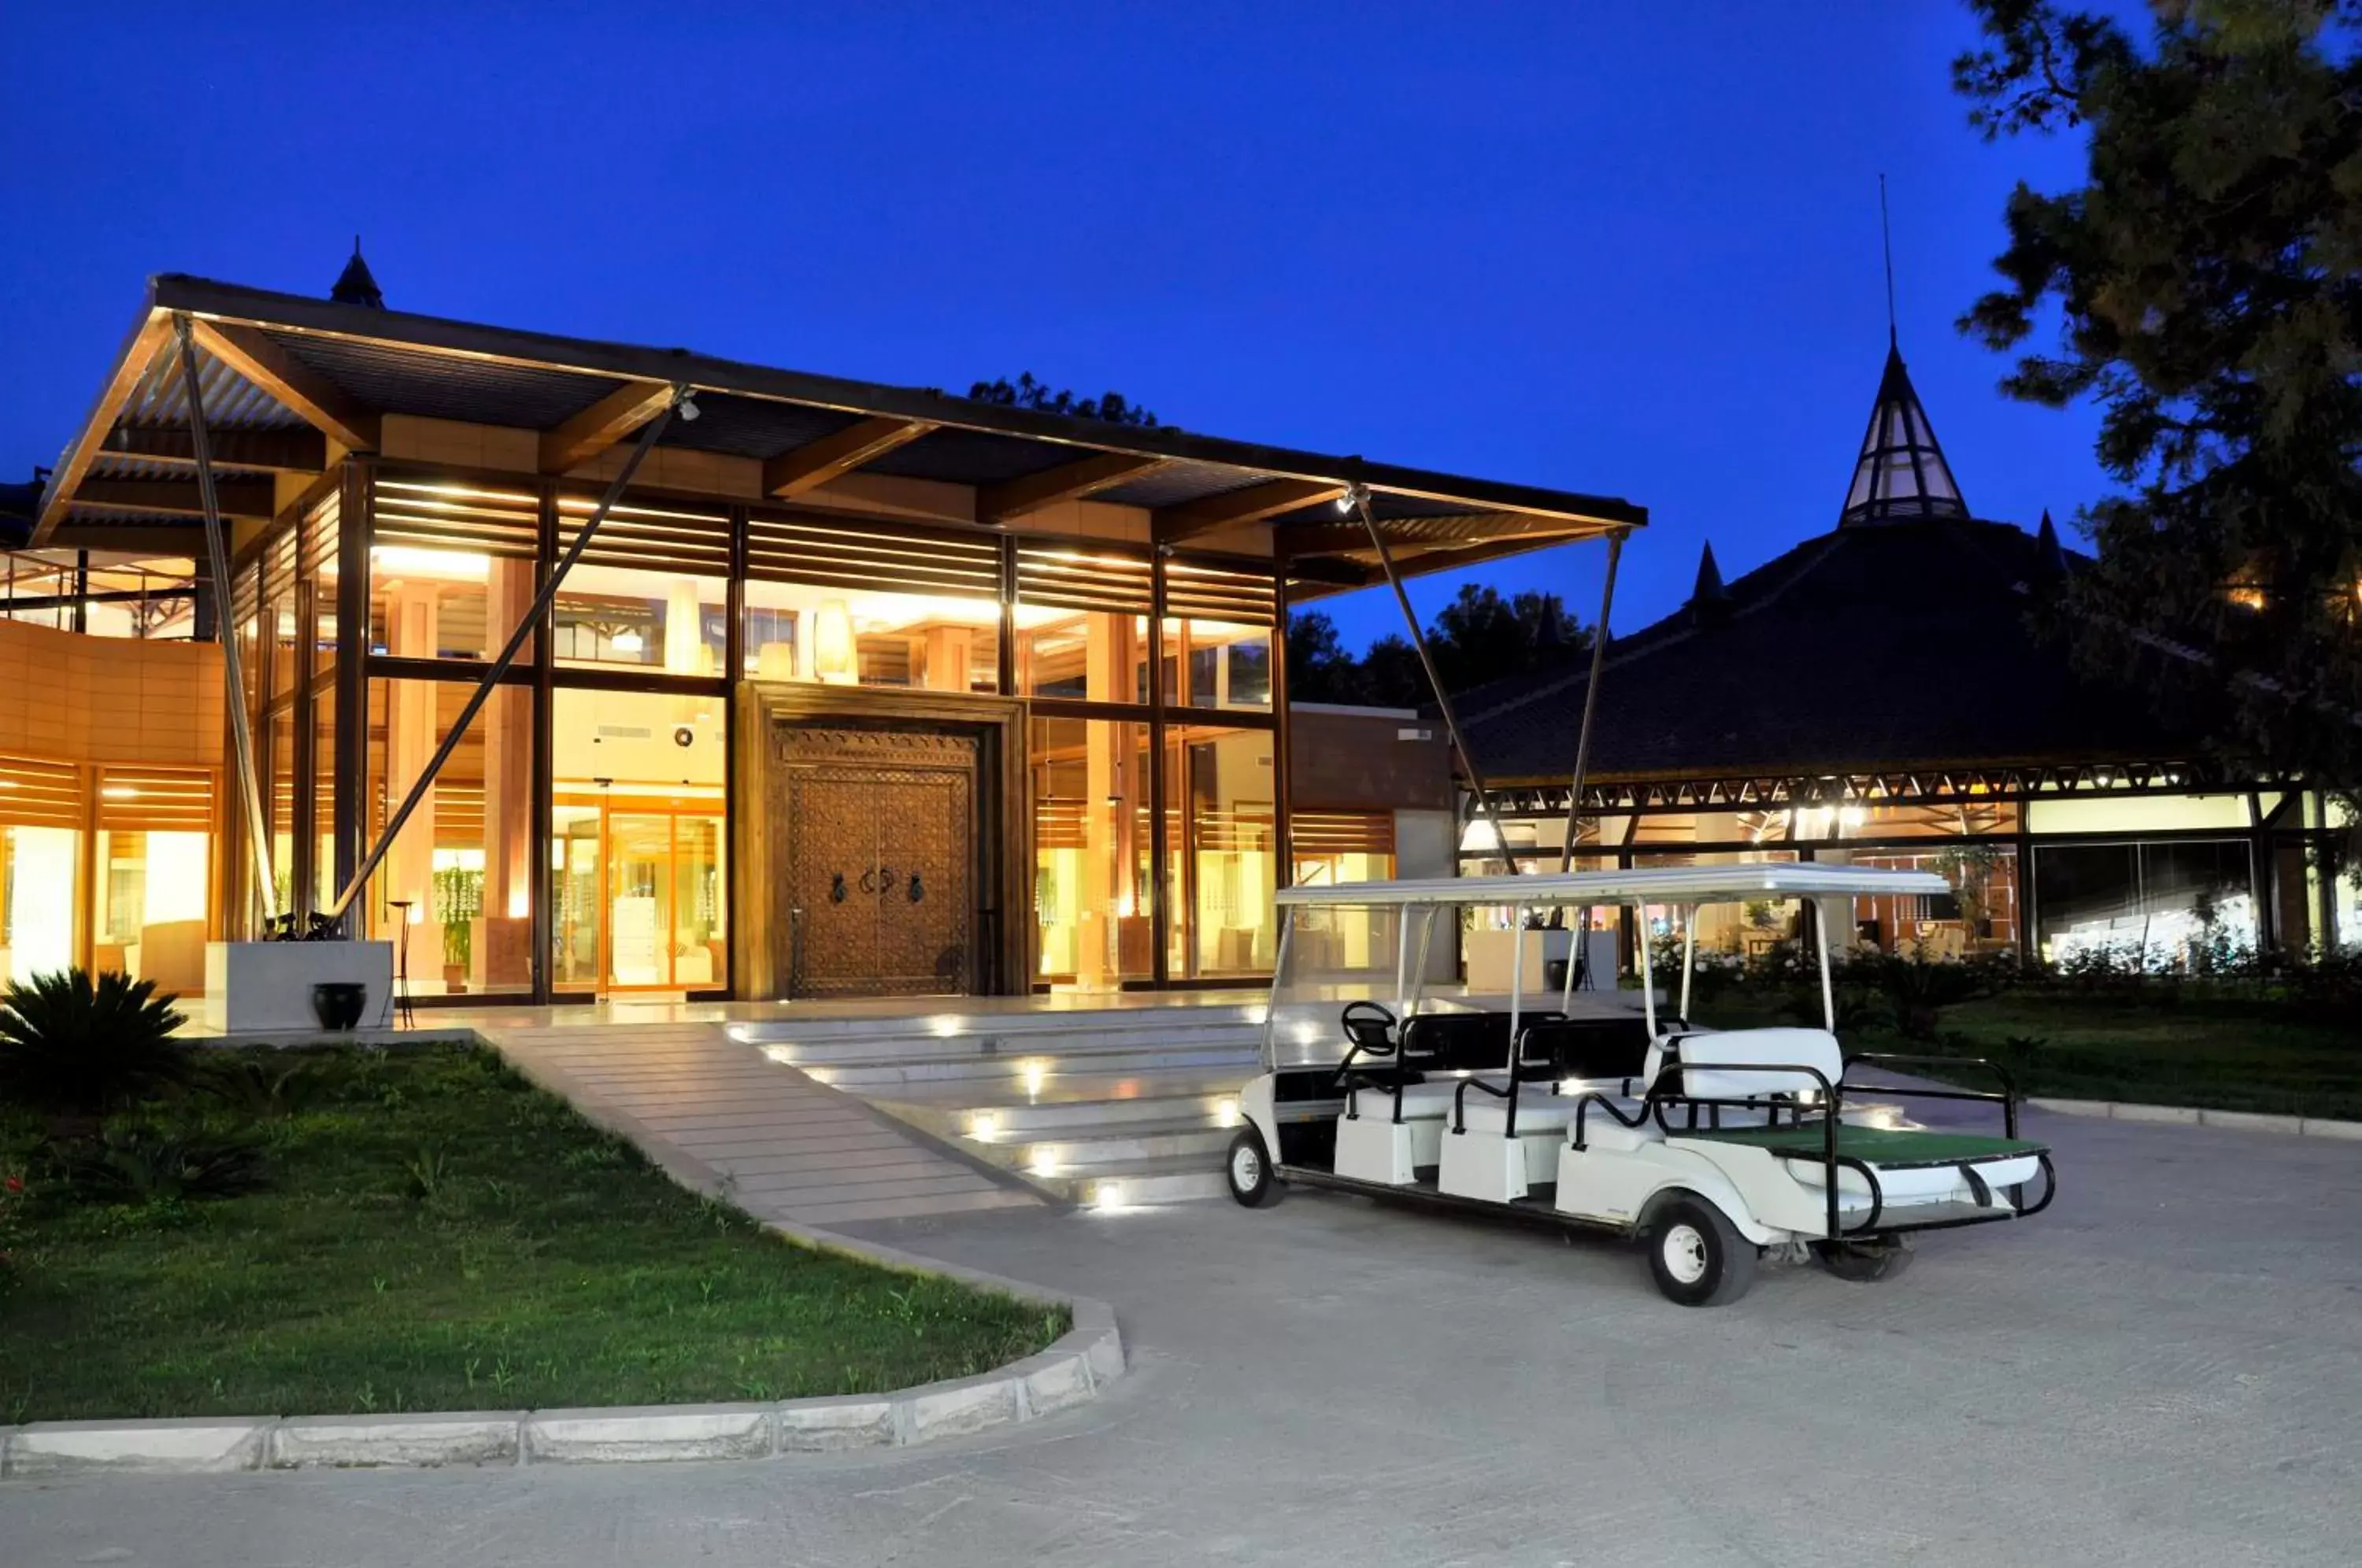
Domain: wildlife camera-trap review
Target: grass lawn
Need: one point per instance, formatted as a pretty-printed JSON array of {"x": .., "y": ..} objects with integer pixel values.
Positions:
[
  {"x": 438, "y": 1234},
  {"x": 2228, "y": 1053}
]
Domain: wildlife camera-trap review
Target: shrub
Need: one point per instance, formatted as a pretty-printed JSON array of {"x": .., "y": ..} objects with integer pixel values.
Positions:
[
  {"x": 260, "y": 1090},
  {"x": 144, "y": 1165},
  {"x": 72, "y": 1044}
]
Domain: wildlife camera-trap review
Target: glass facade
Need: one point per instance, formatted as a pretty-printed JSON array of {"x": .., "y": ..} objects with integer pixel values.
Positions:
[{"x": 580, "y": 842}]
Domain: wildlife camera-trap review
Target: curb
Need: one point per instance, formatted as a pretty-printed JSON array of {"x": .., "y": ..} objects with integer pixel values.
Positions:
[
  {"x": 1076, "y": 1368},
  {"x": 2195, "y": 1116}
]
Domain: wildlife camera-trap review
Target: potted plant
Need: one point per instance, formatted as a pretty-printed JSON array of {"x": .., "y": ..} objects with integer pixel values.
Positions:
[{"x": 459, "y": 899}]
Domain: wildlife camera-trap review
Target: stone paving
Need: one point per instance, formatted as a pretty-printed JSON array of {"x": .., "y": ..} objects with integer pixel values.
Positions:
[{"x": 723, "y": 1116}]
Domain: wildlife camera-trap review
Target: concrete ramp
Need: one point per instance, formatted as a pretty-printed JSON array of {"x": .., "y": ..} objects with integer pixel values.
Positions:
[{"x": 724, "y": 1117}]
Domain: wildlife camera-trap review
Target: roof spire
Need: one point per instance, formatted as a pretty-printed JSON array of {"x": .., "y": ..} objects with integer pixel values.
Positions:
[
  {"x": 2049, "y": 558},
  {"x": 1709, "y": 599},
  {"x": 355, "y": 286},
  {"x": 1900, "y": 475}
]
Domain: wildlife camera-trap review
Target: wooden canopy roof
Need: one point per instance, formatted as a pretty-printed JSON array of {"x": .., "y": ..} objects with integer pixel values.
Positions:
[{"x": 291, "y": 382}]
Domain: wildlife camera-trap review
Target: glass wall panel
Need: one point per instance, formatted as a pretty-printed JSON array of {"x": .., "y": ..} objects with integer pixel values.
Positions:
[
  {"x": 437, "y": 603},
  {"x": 150, "y": 920},
  {"x": 2145, "y": 902},
  {"x": 460, "y": 863},
  {"x": 280, "y": 735},
  {"x": 1211, "y": 663},
  {"x": 844, "y": 636},
  {"x": 1222, "y": 857},
  {"x": 1093, "y": 656},
  {"x": 642, "y": 620},
  {"x": 1091, "y": 851},
  {"x": 1741, "y": 930},
  {"x": 639, "y": 845},
  {"x": 41, "y": 887},
  {"x": 1977, "y": 916}
]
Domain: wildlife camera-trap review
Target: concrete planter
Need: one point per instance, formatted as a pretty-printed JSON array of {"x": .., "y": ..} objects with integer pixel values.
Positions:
[{"x": 266, "y": 987}]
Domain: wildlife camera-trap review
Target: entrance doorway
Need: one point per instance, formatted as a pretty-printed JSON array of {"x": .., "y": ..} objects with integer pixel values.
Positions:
[
  {"x": 640, "y": 903},
  {"x": 880, "y": 874}
]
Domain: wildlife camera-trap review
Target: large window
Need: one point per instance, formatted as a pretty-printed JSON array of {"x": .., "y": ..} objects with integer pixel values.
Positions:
[
  {"x": 850, "y": 636},
  {"x": 2148, "y": 902},
  {"x": 1082, "y": 625},
  {"x": 641, "y": 619},
  {"x": 41, "y": 879},
  {"x": 1091, "y": 846}
]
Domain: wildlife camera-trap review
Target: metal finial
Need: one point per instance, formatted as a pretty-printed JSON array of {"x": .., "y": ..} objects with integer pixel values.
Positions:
[{"x": 1886, "y": 244}]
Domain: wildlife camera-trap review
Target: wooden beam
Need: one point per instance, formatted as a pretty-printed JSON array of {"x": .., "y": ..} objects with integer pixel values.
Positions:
[
  {"x": 1233, "y": 508},
  {"x": 273, "y": 451},
  {"x": 178, "y": 498},
  {"x": 815, "y": 463},
  {"x": 318, "y": 400},
  {"x": 139, "y": 351},
  {"x": 136, "y": 538},
  {"x": 1069, "y": 481},
  {"x": 602, "y": 424}
]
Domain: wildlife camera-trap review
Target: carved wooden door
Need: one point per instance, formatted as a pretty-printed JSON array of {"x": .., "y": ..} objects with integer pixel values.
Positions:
[{"x": 879, "y": 829}]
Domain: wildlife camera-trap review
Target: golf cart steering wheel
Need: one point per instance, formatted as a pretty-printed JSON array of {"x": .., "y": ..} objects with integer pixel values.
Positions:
[{"x": 1370, "y": 1028}]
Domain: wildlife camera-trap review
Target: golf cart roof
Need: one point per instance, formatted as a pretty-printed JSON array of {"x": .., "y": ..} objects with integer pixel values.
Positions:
[{"x": 1654, "y": 885}]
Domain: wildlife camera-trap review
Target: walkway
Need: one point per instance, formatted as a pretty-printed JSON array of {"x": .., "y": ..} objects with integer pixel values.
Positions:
[{"x": 726, "y": 1119}]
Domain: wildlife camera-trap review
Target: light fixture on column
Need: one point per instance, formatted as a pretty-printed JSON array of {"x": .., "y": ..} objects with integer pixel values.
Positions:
[{"x": 833, "y": 652}]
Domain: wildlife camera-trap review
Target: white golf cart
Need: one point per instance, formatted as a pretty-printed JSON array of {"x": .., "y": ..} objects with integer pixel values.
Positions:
[{"x": 1576, "y": 1107}]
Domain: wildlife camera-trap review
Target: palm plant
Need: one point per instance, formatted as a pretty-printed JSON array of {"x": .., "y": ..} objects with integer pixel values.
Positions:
[{"x": 71, "y": 1042}]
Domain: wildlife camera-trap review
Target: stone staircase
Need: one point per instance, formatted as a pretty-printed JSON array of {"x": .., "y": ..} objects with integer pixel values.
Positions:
[{"x": 1109, "y": 1108}]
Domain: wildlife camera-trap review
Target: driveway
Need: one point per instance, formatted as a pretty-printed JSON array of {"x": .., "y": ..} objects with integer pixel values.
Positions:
[{"x": 2165, "y": 1369}]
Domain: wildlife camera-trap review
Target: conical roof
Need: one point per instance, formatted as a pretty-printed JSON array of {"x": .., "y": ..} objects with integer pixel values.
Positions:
[
  {"x": 1900, "y": 475},
  {"x": 355, "y": 285}
]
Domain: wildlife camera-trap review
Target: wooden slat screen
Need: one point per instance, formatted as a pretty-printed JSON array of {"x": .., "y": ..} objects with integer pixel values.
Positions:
[
  {"x": 1083, "y": 579},
  {"x": 278, "y": 566},
  {"x": 140, "y": 800},
  {"x": 1217, "y": 830},
  {"x": 39, "y": 794},
  {"x": 1341, "y": 833},
  {"x": 1218, "y": 593},
  {"x": 435, "y": 514},
  {"x": 1058, "y": 824},
  {"x": 891, "y": 557},
  {"x": 670, "y": 537},
  {"x": 319, "y": 534}
]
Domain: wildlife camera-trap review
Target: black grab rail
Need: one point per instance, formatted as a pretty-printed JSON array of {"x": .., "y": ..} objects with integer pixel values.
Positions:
[{"x": 2007, "y": 1098}]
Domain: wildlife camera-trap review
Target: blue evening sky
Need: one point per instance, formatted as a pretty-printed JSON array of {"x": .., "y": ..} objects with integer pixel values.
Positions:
[{"x": 1626, "y": 249}]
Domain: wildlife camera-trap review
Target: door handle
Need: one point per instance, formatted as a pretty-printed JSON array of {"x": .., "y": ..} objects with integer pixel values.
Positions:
[
  {"x": 837, "y": 887},
  {"x": 885, "y": 881}
]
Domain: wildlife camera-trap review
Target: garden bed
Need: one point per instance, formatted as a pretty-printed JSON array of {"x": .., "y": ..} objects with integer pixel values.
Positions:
[{"x": 431, "y": 1232}]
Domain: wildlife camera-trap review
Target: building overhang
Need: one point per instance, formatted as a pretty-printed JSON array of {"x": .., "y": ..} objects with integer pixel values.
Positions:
[{"x": 291, "y": 383}]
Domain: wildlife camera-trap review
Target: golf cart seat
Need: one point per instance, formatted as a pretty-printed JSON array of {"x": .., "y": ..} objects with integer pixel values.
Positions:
[
  {"x": 1539, "y": 1111},
  {"x": 1418, "y": 1101},
  {"x": 1746, "y": 1052}
]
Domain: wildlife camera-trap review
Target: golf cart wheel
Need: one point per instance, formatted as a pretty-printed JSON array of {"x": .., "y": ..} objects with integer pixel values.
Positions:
[
  {"x": 1867, "y": 1261},
  {"x": 1248, "y": 1168},
  {"x": 1699, "y": 1256}
]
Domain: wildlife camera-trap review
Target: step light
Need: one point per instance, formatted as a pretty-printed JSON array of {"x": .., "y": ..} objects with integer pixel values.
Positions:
[
  {"x": 1045, "y": 1162},
  {"x": 1226, "y": 1113},
  {"x": 984, "y": 1126},
  {"x": 1108, "y": 1194},
  {"x": 1037, "y": 1072}
]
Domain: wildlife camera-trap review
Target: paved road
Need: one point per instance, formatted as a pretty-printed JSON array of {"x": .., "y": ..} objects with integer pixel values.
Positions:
[{"x": 2165, "y": 1369}]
